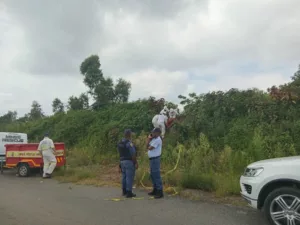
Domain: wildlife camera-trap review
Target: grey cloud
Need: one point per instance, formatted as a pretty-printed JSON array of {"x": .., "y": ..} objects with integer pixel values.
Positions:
[
  {"x": 156, "y": 9},
  {"x": 58, "y": 34}
]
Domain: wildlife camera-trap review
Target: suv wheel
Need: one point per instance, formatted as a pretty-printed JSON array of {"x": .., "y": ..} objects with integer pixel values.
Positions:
[{"x": 282, "y": 206}]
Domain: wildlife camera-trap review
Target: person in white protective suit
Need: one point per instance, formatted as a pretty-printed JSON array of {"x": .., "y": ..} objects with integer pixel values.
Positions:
[
  {"x": 154, "y": 121},
  {"x": 172, "y": 113},
  {"x": 47, "y": 150},
  {"x": 161, "y": 123},
  {"x": 165, "y": 110},
  {"x": 172, "y": 117}
]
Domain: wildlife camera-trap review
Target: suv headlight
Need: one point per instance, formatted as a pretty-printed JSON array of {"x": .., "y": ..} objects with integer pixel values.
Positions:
[{"x": 253, "y": 172}]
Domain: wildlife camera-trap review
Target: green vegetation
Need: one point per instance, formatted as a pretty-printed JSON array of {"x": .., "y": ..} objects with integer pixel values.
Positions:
[{"x": 216, "y": 136}]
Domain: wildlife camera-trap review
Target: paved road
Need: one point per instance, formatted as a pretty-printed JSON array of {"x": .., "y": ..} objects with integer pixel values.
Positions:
[{"x": 28, "y": 201}]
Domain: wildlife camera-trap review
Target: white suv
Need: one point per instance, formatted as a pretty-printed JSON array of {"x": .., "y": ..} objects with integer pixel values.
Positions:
[{"x": 273, "y": 186}]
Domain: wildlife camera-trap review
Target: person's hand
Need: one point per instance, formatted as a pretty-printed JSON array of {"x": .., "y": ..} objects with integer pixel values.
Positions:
[{"x": 136, "y": 166}]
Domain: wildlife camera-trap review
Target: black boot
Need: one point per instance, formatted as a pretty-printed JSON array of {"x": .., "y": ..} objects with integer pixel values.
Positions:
[
  {"x": 129, "y": 194},
  {"x": 159, "y": 194},
  {"x": 48, "y": 176},
  {"x": 124, "y": 192},
  {"x": 153, "y": 192}
]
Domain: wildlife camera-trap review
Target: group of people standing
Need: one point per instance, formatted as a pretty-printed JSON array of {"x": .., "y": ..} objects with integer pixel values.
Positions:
[
  {"x": 127, "y": 152},
  {"x": 129, "y": 164}
]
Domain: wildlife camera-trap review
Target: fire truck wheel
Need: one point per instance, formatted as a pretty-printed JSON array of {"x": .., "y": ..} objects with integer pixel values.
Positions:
[{"x": 23, "y": 170}]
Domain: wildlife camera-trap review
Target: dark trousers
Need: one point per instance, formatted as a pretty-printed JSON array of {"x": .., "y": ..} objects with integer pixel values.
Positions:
[
  {"x": 155, "y": 173},
  {"x": 128, "y": 173}
]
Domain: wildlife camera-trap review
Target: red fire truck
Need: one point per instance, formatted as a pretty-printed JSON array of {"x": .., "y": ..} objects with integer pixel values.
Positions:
[{"x": 25, "y": 157}]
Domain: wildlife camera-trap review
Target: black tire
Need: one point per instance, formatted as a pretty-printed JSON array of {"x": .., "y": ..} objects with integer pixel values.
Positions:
[
  {"x": 23, "y": 170},
  {"x": 284, "y": 191}
]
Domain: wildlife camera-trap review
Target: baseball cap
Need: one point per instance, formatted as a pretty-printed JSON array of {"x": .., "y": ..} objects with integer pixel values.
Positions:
[
  {"x": 46, "y": 134},
  {"x": 127, "y": 132},
  {"x": 156, "y": 130}
]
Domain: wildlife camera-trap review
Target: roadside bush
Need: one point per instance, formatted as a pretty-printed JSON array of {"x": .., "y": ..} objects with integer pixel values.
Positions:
[{"x": 218, "y": 135}]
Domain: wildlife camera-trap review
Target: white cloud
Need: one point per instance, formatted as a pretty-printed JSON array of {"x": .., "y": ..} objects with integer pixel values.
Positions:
[
  {"x": 159, "y": 84},
  {"x": 261, "y": 81},
  {"x": 165, "y": 48},
  {"x": 19, "y": 90}
]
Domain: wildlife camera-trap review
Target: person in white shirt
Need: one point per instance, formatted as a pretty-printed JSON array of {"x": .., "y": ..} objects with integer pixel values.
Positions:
[
  {"x": 154, "y": 147},
  {"x": 47, "y": 150}
]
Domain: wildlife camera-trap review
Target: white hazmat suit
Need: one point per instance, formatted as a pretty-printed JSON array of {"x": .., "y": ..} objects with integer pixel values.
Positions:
[
  {"x": 154, "y": 121},
  {"x": 161, "y": 122},
  {"x": 165, "y": 110},
  {"x": 46, "y": 147},
  {"x": 172, "y": 113}
]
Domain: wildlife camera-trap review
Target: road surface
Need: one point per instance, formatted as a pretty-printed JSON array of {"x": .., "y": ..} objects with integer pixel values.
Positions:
[{"x": 32, "y": 201}]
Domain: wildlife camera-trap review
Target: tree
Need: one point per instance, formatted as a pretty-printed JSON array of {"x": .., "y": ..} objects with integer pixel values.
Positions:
[
  {"x": 104, "y": 92},
  {"x": 58, "y": 106},
  {"x": 102, "y": 89},
  {"x": 122, "y": 91},
  {"x": 9, "y": 117},
  {"x": 289, "y": 92},
  {"x": 90, "y": 69},
  {"x": 78, "y": 103},
  {"x": 24, "y": 119},
  {"x": 74, "y": 103},
  {"x": 84, "y": 99},
  {"x": 36, "y": 111}
]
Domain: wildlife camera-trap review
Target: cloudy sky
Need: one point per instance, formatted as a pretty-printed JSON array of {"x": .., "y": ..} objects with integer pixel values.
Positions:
[{"x": 164, "y": 47}]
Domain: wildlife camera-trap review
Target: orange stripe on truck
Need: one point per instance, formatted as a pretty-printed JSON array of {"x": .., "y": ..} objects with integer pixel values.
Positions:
[{"x": 30, "y": 160}]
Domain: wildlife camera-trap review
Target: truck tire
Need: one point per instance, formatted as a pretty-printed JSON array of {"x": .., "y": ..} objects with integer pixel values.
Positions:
[
  {"x": 23, "y": 170},
  {"x": 282, "y": 206}
]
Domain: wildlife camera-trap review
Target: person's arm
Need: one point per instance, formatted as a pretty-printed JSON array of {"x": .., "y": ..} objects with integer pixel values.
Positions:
[
  {"x": 166, "y": 119},
  {"x": 52, "y": 146},
  {"x": 40, "y": 148},
  {"x": 120, "y": 168},
  {"x": 132, "y": 152},
  {"x": 148, "y": 140},
  {"x": 154, "y": 144}
]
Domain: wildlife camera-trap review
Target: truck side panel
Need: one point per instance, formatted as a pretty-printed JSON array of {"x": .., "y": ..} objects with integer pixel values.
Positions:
[{"x": 17, "y": 153}]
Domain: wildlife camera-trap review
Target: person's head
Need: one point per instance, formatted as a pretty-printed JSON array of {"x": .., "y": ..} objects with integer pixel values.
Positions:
[
  {"x": 127, "y": 134},
  {"x": 156, "y": 132},
  {"x": 46, "y": 135}
]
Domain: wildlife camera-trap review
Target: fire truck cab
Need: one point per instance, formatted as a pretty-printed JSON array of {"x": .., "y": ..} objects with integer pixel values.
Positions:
[{"x": 10, "y": 138}]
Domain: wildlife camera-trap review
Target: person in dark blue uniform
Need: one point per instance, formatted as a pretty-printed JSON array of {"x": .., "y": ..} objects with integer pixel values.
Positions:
[{"x": 128, "y": 163}]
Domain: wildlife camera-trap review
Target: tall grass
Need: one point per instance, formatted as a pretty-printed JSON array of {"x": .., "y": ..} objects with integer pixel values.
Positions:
[{"x": 199, "y": 167}]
